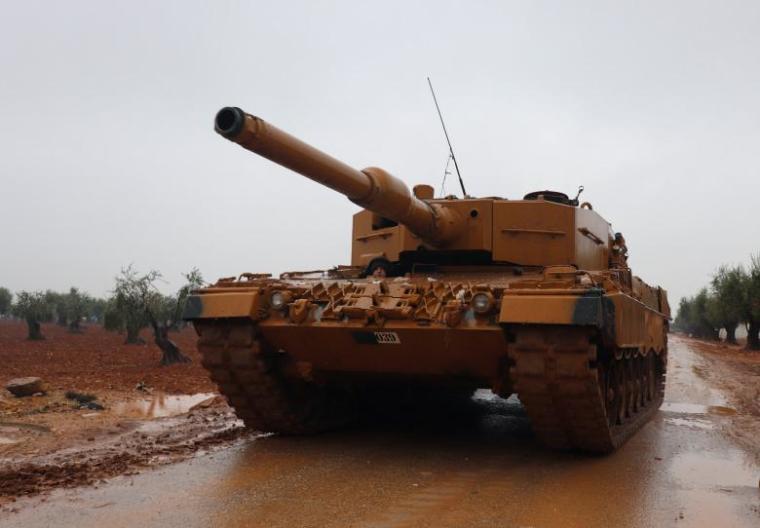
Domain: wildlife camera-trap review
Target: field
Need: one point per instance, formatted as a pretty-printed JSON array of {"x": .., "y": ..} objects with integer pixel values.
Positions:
[
  {"x": 98, "y": 361},
  {"x": 49, "y": 440}
]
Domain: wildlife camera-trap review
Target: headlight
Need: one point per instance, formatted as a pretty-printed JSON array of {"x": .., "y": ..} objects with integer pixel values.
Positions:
[
  {"x": 482, "y": 302},
  {"x": 277, "y": 300}
]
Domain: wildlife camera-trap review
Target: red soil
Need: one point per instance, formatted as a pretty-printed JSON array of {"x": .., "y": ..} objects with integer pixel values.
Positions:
[{"x": 96, "y": 360}]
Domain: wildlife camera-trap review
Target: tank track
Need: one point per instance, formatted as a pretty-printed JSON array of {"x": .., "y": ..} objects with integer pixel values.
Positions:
[
  {"x": 251, "y": 377},
  {"x": 578, "y": 395}
]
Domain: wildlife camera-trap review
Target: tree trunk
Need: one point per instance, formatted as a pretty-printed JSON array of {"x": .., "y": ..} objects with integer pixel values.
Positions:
[
  {"x": 133, "y": 336},
  {"x": 62, "y": 320},
  {"x": 75, "y": 327},
  {"x": 170, "y": 351},
  {"x": 753, "y": 340},
  {"x": 35, "y": 331},
  {"x": 731, "y": 333}
]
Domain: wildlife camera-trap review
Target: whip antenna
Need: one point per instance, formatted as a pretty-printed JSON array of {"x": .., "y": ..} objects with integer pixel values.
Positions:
[{"x": 445, "y": 133}]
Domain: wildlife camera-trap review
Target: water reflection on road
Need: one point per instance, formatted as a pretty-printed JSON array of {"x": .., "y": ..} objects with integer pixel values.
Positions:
[{"x": 159, "y": 405}]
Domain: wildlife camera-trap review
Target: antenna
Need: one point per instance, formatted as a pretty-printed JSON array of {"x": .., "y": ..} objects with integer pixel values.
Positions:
[
  {"x": 446, "y": 172},
  {"x": 445, "y": 133}
]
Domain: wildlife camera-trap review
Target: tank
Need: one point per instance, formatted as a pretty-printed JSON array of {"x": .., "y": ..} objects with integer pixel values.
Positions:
[{"x": 443, "y": 296}]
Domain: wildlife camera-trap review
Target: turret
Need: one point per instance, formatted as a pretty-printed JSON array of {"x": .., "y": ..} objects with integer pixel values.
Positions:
[
  {"x": 371, "y": 188},
  {"x": 399, "y": 229}
]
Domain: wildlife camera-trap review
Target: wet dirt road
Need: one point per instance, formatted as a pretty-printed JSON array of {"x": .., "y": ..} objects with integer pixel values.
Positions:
[{"x": 680, "y": 470}]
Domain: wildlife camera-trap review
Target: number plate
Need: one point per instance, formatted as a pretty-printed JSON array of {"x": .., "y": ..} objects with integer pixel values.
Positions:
[
  {"x": 387, "y": 338},
  {"x": 376, "y": 338}
]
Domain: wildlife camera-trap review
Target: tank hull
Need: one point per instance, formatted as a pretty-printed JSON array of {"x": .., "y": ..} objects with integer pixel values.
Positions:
[{"x": 587, "y": 361}]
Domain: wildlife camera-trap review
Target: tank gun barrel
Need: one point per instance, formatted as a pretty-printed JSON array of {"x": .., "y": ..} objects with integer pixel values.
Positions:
[{"x": 371, "y": 188}]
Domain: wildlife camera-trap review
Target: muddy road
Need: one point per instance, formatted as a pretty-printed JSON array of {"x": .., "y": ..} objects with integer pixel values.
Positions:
[{"x": 683, "y": 469}]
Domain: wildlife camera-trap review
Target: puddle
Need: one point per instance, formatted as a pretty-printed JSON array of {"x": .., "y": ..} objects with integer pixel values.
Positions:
[
  {"x": 713, "y": 470},
  {"x": 160, "y": 405},
  {"x": 691, "y": 422},
  {"x": 693, "y": 408}
]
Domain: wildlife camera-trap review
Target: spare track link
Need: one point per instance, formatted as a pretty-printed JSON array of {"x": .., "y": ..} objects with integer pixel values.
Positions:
[
  {"x": 250, "y": 377},
  {"x": 563, "y": 383}
]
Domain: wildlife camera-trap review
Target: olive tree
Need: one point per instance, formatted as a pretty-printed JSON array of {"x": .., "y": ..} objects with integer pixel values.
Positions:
[
  {"x": 96, "y": 309},
  {"x": 127, "y": 307},
  {"x": 6, "y": 301},
  {"x": 165, "y": 313},
  {"x": 726, "y": 299},
  {"x": 57, "y": 303},
  {"x": 696, "y": 316},
  {"x": 113, "y": 318},
  {"x": 751, "y": 303},
  {"x": 35, "y": 308},
  {"x": 681, "y": 322},
  {"x": 137, "y": 296},
  {"x": 76, "y": 307},
  {"x": 734, "y": 298}
]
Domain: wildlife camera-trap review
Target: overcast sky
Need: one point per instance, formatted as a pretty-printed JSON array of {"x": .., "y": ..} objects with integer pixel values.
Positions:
[{"x": 108, "y": 157}]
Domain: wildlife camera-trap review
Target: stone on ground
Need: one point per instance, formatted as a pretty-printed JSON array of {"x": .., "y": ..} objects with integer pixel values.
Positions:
[{"x": 21, "y": 387}]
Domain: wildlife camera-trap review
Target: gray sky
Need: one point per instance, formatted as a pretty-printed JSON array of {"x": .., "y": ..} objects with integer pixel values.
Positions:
[{"x": 108, "y": 155}]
